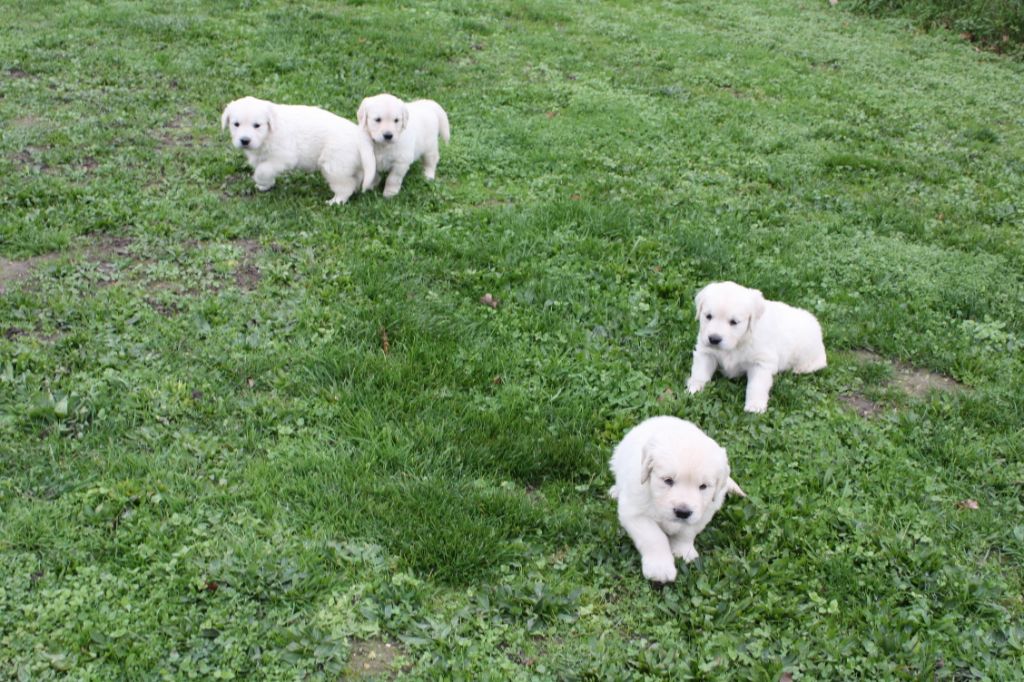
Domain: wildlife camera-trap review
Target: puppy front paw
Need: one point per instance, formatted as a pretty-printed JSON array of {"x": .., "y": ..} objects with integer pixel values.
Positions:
[
  {"x": 687, "y": 553},
  {"x": 659, "y": 569},
  {"x": 264, "y": 188},
  {"x": 694, "y": 385},
  {"x": 389, "y": 192},
  {"x": 756, "y": 406}
]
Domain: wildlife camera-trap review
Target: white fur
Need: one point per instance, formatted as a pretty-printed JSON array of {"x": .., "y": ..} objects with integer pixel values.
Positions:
[
  {"x": 277, "y": 138},
  {"x": 757, "y": 338},
  {"x": 402, "y": 133},
  {"x": 664, "y": 468}
]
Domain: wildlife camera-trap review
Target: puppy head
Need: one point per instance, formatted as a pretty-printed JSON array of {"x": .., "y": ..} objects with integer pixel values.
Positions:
[
  {"x": 250, "y": 121},
  {"x": 727, "y": 312},
  {"x": 383, "y": 117},
  {"x": 687, "y": 475}
]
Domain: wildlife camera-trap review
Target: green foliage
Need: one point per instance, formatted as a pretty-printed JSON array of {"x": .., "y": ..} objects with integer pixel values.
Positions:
[
  {"x": 998, "y": 24},
  {"x": 212, "y": 466}
]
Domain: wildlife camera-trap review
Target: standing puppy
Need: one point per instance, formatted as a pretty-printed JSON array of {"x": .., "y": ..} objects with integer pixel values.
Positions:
[
  {"x": 277, "y": 138},
  {"x": 670, "y": 479},
  {"x": 402, "y": 133},
  {"x": 742, "y": 333}
]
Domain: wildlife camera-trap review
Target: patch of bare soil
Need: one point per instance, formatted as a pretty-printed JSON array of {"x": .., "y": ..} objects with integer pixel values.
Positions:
[
  {"x": 913, "y": 381},
  {"x": 247, "y": 274},
  {"x": 178, "y": 130},
  {"x": 106, "y": 251},
  {"x": 29, "y": 158},
  {"x": 27, "y": 121},
  {"x": 19, "y": 270},
  {"x": 860, "y": 404},
  {"x": 373, "y": 659}
]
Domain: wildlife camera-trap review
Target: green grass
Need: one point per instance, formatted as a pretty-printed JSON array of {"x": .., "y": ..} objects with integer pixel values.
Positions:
[
  {"x": 996, "y": 24},
  {"x": 210, "y": 468}
]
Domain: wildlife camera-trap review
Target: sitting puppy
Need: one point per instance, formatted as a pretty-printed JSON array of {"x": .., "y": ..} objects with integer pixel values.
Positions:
[
  {"x": 742, "y": 333},
  {"x": 401, "y": 134},
  {"x": 670, "y": 479},
  {"x": 277, "y": 138}
]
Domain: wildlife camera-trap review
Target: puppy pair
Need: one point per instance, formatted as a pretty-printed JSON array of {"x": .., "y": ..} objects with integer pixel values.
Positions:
[
  {"x": 670, "y": 477},
  {"x": 392, "y": 135}
]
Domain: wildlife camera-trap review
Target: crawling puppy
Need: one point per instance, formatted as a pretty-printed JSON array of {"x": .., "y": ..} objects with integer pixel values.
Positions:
[
  {"x": 670, "y": 479},
  {"x": 277, "y": 138},
  {"x": 742, "y": 333},
  {"x": 402, "y": 133}
]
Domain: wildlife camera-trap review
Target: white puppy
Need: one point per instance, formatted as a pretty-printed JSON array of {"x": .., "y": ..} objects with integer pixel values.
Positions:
[
  {"x": 742, "y": 333},
  {"x": 670, "y": 479},
  {"x": 402, "y": 133},
  {"x": 277, "y": 138}
]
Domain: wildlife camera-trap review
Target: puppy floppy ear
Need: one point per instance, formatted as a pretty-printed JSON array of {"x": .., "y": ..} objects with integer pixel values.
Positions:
[
  {"x": 699, "y": 299},
  {"x": 271, "y": 117},
  {"x": 757, "y": 307},
  {"x": 224, "y": 117},
  {"x": 405, "y": 116},
  {"x": 361, "y": 115},
  {"x": 646, "y": 464}
]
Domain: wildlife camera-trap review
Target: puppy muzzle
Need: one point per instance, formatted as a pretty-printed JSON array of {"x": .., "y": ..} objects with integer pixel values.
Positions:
[{"x": 683, "y": 513}]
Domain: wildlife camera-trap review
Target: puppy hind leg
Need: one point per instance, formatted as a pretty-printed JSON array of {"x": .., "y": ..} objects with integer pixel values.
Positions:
[
  {"x": 818, "y": 361},
  {"x": 430, "y": 159},
  {"x": 343, "y": 188}
]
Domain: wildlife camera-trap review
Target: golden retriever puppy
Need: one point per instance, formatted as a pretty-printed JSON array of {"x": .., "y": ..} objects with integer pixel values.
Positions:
[
  {"x": 742, "y": 333},
  {"x": 402, "y": 133},
  {"x": 277, "y": 138},
  {"x": 670, "y": 479}
]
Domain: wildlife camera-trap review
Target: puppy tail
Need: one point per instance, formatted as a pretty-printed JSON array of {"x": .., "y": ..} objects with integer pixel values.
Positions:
[
  {"x": 732, "y": 487},
  {"x": 442, "y": 122},
  {"x": 368, "y": 160}
]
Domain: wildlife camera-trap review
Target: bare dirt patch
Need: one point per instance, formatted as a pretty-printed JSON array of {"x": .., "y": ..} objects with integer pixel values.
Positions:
[
  {"x": 909, "y": 380},
  {"x": 247, "y": 274},
  {"x": 179, "y": 130},
  {"x": 913, "y": 381},
  {"x": 28, "y": 121},
  {"x": 860, "y": 404},
  {"x": 19, "y": 270},
  {"x": 373, "y": 659},
  {"x": 29, "y": 157}
]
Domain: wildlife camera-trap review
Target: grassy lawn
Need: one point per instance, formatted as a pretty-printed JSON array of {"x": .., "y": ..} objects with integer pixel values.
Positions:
[{"x": 249, "y": 435}]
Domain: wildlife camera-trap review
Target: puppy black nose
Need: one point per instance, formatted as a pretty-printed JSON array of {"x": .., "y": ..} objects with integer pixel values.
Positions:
[
  {"x": 388, "y": 136},
  {"x": 714, "y": 339},
  {"x": 683, "y": 513},
  {"x": 244, "y": 141}
]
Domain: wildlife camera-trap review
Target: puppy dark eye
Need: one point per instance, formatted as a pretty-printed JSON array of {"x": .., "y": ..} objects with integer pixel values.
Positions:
[
  {"x": 669, "y": 482},
  {"x": 237, "y": 124},
  {"x": 377, "y": 120},
  {"x": 734, "y": 322},
  {"x": 396, "y": 120},
  {"x": 703, "y": 486},
  {"x": 255, "y": 125},
  {"x": 708, "y": 316}
]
